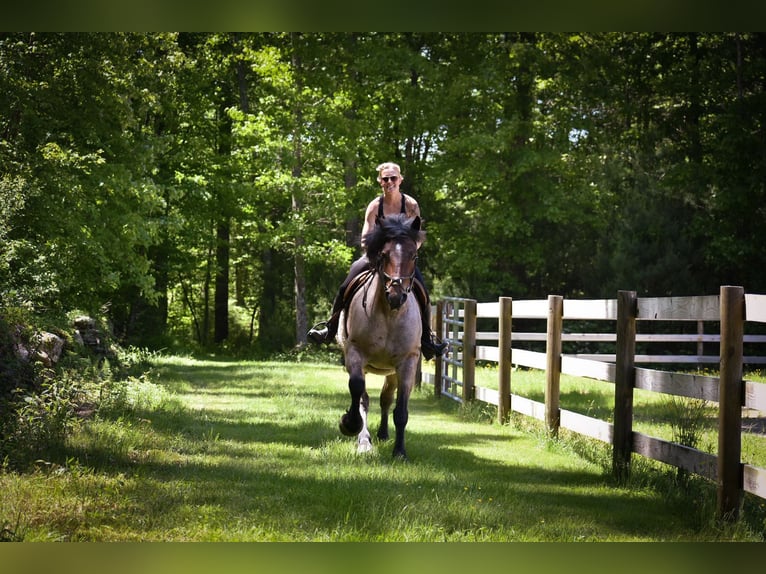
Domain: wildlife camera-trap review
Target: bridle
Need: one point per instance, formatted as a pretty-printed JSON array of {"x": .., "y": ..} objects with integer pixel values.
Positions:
[
  {"x": 391, "y": 282},
  {"x": 398, "y": 281}
]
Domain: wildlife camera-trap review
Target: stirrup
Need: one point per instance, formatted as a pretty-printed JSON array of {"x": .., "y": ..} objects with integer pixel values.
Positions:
[
  {"x": 430, "y": 348},
  {"x": 319, "y": 333}
]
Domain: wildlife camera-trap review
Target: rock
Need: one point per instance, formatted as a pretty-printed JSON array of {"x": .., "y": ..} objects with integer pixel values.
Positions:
[{"x": 44, "y": 347}]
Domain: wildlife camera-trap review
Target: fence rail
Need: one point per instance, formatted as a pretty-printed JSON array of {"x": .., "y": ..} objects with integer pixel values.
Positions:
[{"x": 454, "y": 375}]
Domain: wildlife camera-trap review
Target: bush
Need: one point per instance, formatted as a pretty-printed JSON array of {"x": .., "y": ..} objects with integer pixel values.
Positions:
[
  {"x": 36, "y": 424},
  {"x": 39, "y": 406},
  {"x": 13, "y": 372}
]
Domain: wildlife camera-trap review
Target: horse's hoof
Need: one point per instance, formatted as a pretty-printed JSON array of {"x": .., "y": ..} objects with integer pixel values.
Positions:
[
  {"x": 350, "y": 425},
  {"x": 364, "y": 446},
  {"x": 382, "y": 435},
  {"x": 400, "y": 455}
]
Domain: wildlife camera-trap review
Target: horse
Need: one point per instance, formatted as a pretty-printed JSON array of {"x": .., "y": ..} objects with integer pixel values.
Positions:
[{"x": 380, "y": 330}]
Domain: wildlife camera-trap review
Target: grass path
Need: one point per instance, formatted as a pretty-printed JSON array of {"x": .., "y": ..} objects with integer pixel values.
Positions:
[{"x": 242, "y": 451}]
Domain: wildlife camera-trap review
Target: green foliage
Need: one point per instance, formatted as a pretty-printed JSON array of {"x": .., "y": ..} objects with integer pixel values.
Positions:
[
  {"x": 156, "y": 174},
  {"x": 37, "y": 403},
  {"x": 36, "y": 424},
  {"x": 687, "y": 418}
]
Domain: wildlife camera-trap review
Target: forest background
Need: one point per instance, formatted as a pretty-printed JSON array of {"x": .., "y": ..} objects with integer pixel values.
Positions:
[{"x": 206, "y": 190}]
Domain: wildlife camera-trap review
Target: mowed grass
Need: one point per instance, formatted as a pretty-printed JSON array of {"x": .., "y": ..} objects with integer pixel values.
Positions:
[
  {"x": 676, "y": 419},
  {"x": 250, "y": 451}
]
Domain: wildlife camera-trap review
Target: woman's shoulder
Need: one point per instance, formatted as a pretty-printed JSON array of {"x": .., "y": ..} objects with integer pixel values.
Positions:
[{"x": 412, "y": 206}]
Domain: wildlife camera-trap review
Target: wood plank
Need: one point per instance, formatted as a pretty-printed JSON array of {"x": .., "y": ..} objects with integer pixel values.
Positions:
[
  {"x": 612, "y": 337},
  {"x": 486, "y": 395},
  {"x": 588, "y": 426},
  {"x": 528, "y": 407},
  {"x": 590, "y": 309},
  {"x": 528, "y": 358},
  {"x": 592, "y": 369},
  {"x": 703, "y": 308},
  {"x": 755, "y": 395},
  {"x": 755, "y": 308},
  {"x": 487, "y": 353},
  {"x": 487, "y": 336},
  {"x": 679, "y": 384},
  {"x": 754, "y": 479},
  {"x": 488, "y": 310},
  {"x": 690, "y": 459},
  {"x": 688, "y": 359},
  {"x": 519, "y": 336},
  {"x": 530, "y": 309}
]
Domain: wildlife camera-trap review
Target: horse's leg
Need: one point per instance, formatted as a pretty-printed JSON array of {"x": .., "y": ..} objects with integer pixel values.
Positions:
[
  {"x": 406, "y": 375},
  {"x": 364, "y": 441},
  {"x": 386, "y": 400},
  {"x": 352, "y": 423}
]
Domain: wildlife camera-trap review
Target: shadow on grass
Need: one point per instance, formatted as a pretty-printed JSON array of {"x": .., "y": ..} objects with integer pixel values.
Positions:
[{"x": 278, "y": 469}]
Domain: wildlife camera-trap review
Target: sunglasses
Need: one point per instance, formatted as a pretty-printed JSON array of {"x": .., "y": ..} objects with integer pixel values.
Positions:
[{"x": 387, "y": 179}]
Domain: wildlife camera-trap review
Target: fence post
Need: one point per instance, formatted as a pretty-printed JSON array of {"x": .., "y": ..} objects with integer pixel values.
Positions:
[
  {"x": 730, "y": 394},
  {"x": 469, "y": 349},
  {"x": 625, "y": 377},
  {"x": 553, "y": 363},
  {"x": 439, "y": 361},
  {"x": 504, "y": 364}
]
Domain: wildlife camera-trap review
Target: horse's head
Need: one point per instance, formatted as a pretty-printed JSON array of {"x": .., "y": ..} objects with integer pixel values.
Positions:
[{"x": 392, "y": 248}]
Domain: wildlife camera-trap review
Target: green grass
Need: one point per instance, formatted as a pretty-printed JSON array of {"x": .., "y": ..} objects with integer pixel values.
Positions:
[
  {"x": 250, "y": 451},
  {"x": 655, "y": 414}
]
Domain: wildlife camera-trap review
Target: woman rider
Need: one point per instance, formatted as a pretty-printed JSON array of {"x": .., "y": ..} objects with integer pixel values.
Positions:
[{"x": 390, "y": 202}]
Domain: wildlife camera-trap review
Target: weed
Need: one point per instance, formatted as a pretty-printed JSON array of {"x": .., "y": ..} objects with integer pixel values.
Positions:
[{"x": 686, "y": 417}]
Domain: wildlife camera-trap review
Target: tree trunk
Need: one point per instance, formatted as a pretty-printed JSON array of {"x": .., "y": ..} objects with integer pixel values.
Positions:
[
  {"x": 301, "y": 312},
  {"x": 221, "y": 326},
  {"x": 223, "y": 225}
]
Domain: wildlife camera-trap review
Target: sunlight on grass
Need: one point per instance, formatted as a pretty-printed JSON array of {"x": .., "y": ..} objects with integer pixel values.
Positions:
[{"x": 251, "y": 451}]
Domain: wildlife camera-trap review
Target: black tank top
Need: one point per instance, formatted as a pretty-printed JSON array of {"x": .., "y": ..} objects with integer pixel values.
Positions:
[{"x": 380, "y": 206}]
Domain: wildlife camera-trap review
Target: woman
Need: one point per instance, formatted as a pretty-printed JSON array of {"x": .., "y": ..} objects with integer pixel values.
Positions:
[{"x": 390, "y": 202}]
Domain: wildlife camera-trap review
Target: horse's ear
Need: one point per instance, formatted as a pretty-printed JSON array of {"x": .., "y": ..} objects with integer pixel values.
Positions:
[{"x": 416, "y": 223}]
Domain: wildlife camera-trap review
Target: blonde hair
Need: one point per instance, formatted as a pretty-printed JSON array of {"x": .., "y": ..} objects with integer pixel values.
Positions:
[{"x": 389, "y": 165}]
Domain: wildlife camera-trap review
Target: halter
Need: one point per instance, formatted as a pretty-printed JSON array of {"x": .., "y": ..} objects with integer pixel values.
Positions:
[{"x": 391, "y": 282}]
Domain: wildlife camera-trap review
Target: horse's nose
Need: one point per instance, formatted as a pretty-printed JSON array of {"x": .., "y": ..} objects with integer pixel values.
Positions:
[{"x": 397, "y": 300}]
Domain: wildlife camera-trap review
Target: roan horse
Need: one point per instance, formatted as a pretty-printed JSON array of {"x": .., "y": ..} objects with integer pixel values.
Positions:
[{"x": 380, "y": 330}]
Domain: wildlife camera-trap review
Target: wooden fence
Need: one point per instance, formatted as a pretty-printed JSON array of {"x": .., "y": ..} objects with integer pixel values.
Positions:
[{"x": 454, "y": 374}]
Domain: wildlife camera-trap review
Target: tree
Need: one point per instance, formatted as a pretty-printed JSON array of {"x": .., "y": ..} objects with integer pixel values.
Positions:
[
  {"x": 184, "y": 182},
  {"x": 74, "y": 149}
]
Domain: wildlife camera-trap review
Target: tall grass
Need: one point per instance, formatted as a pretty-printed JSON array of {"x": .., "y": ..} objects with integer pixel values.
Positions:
[{"x": 210, "y": 450}]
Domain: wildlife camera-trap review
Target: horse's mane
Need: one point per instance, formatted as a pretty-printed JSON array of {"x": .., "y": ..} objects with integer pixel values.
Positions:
[{"x": 395, "y": 226}]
